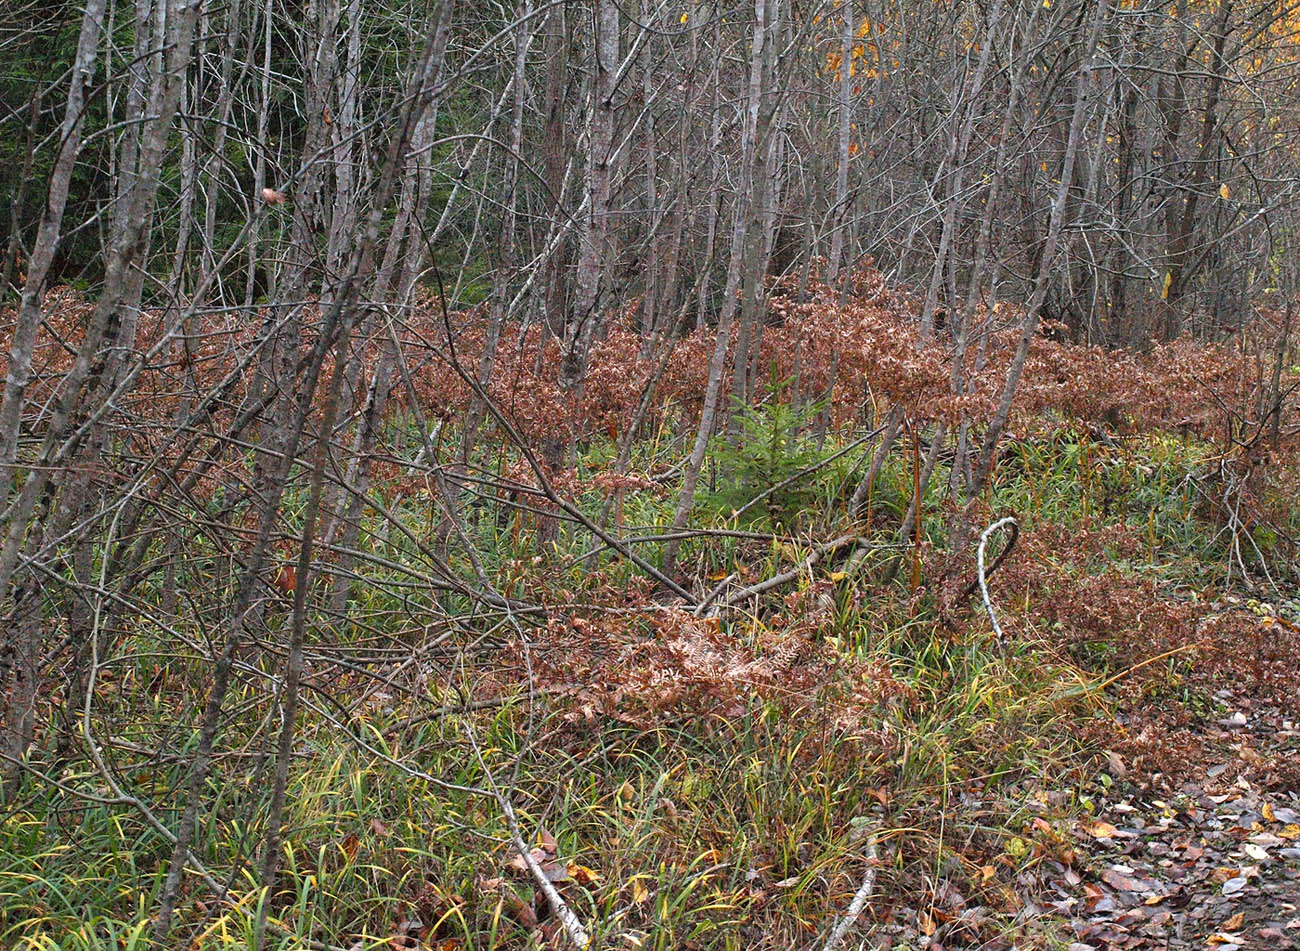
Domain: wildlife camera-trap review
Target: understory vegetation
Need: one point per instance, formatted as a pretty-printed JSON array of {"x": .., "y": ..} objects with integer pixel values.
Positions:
[
  {"x": 693, "y": 475},
  {"x": 702, "y": 771}
]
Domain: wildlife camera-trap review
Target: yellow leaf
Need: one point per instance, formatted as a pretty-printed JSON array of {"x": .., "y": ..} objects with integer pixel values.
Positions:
[
  {"x": 582, "y": 874},
  {"x": 685, "y": 17},
  {"x": 928, "y": 927},
  {"x": 1235, "y": 922},
  {"x": 1267, "y": 812},
  {"x": 640, "y": 894},
  {"x": 1164, "y": 291},
  {"x": 1099, "y": 829},
  {"x": 839, "y": 575},
  {"x": 1223, "y": 192}
]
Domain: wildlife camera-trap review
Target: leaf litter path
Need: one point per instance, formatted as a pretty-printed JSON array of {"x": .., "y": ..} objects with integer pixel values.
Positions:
[{"x": 1211, "y": 862}]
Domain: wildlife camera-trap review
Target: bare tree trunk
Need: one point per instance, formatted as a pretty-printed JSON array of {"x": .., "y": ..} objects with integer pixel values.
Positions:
[
  {"x": 1083, "y": 94},
  {"x": 409, "y": 225},
  {"x": 506, "y": 262},
  {"x": 93, "y": 364},
  {"x": 840, "y": 205},
  {"x": 595, "y": 225},
  {"x": 294, "y": 663},
  {"x": 739, "y": 243},
  {"x": 259, "y": 162},
  {"x": 23, "y": 343},
  {"x": 759, "y": 179},
  {"x": 338, "y": 322},
  {"x": 1180, "y": 272}
]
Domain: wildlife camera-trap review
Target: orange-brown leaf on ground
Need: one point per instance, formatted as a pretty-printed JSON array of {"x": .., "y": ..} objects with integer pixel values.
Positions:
[
  {"x": 517, "y": 863},
  {"x": 350, "y": 845},
  {"x": 1099, "y": 828},
  {"x": 519, "y": 909},
  {"x": 286, "y": 579}
]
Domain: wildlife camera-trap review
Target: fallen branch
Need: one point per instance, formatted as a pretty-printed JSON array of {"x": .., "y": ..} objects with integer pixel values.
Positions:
[
  {"x": 860, "y": 899},
  {"x": 741, "y": 594},
  {"x": 559, "y": 908}
]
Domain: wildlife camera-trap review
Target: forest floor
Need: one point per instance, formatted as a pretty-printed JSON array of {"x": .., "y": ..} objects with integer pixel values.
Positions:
[
  {"x": 1122, "y": 773},
  {"x": 1204, "y": 856}
]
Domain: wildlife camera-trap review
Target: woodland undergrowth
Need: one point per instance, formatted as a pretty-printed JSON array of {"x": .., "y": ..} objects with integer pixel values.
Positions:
[{"x": 693, "y": 775}]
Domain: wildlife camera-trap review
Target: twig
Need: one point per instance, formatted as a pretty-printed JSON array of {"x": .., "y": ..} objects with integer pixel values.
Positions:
[
  {"x": 818, "y": 553},
  {"x": 860, "y": 899},
  {"x": 997, "y": 562},
  {"x": 573, "y": 926},
  {"x": 442, "y": 711},
  {"x": 984, "y": 583}
]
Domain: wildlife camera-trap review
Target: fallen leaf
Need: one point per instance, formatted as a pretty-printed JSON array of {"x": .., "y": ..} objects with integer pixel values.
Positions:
[
  {"x": 1116, "y": 763},
  {"x": 286, "y": 579},
  {"x": 350, "y": 845},
  {"x": 518, "y": 863},
  {"x": 1233, "y": 885},
  {"x": 555, "y": 872},
  {"x": 1099, "y": 829},
  {"x": 1235, "y": 922},
  {"x": 928, "y": 927},
  {"x": 520, "y": 909},
  {"x": 1118, "y": 880}
]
